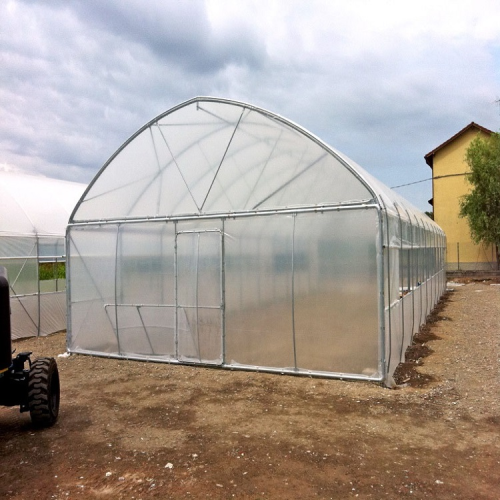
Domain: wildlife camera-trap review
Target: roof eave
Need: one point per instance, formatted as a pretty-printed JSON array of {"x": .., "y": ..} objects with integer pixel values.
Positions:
[{"x": 429, "y": 157}]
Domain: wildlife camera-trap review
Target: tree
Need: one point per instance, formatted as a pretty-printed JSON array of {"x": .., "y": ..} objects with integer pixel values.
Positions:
[{"x": 481, "y": 206}]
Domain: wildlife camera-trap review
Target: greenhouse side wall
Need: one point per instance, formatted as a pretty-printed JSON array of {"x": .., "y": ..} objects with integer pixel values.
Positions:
[
  {"x": 287, "y": 292},
  {"x": 415, "y": 279}
]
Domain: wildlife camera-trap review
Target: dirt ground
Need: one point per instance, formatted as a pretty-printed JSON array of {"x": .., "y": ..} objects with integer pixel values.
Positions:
[{"x": 137, "y": 430}]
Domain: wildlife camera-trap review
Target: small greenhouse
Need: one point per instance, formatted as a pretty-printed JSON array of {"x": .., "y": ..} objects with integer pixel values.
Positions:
[
  {"x": 223, "y": 234},
  {"x": 34, "y": 212}
]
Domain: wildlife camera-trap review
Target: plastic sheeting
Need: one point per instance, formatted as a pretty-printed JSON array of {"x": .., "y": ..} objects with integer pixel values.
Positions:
[
  {"x": 214, "y": 157},
  {"x": 34, "y": 212},
  {"x": 222, "y": 234}
]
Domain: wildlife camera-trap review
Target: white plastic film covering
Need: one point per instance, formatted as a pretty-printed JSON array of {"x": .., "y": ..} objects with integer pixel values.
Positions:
[
  {"x": 259, "y": 300},
  {"x": 24, "y": 317},
  {"x": 335, "y": 292},
  {"x": 408, "y": 320},
  {"x": 145, "y": 298},
  {"x": 34, "y": 212},
  {"x": 92, "y": 253},
  {"x": 214, "y": 156},
  {"x": 53, "y": 312},
  {"x": 296, "y": 294},
  {"x": 34, "y": 205},
  {"x": 414, "y": 282},
  {"x": 394, "y": 343},
  {"x": 199, "y": 292},
  {"x": 150, "y": 290},
  {"x": 22, "y": 274}
]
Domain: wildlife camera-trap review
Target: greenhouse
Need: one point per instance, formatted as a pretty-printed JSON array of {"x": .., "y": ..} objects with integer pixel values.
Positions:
[
  {"x": 221, "y": 234},
  {"x": 34, "y": 212}
]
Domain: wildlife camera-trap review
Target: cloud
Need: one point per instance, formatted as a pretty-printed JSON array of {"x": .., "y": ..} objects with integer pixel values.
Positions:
[{"x": 175, "y": 32}]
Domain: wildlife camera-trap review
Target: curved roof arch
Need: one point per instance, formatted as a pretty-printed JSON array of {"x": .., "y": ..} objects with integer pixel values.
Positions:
[{"x": 218, "y": 156}]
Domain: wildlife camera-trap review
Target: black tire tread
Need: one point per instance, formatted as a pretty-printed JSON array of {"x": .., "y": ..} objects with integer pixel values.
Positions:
[{"x": 43, "y": 392}]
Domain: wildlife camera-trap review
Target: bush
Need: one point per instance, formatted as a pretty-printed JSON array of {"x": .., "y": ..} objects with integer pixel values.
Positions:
[{"x": 52, "y": 270}]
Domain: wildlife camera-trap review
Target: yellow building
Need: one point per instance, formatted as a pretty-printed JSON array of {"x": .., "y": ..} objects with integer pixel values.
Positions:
[{"x": 449, "y": 183}]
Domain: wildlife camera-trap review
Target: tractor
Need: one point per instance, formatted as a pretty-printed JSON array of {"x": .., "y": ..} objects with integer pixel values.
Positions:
[{"x": 32, "y": 385}]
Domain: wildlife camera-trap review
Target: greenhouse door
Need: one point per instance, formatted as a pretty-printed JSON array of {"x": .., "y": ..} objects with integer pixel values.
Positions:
[{"x": 199, "y": 302}]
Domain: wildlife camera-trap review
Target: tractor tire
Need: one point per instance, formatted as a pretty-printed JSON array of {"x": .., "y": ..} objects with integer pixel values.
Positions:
[{"x": 43, "y": 392}]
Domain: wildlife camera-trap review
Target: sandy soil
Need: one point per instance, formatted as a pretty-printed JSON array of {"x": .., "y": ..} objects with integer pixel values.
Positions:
[{"x": 135, "y": 430}]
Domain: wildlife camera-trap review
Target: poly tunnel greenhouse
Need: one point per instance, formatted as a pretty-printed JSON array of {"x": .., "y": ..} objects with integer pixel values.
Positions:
[
  {"x": 223, "y": 234},
  {"x": 34, "y": 212}
]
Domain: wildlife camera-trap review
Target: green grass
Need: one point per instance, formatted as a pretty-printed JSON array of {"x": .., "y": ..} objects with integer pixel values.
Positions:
[{"x": 52, "y": 270}]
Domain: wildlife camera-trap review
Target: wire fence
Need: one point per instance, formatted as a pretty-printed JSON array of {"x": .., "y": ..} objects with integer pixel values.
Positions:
[{"x": 467, "y": 256}]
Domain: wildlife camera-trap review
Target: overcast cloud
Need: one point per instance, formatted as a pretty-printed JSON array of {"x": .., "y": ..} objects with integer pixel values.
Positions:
[{"x": 384, "y": 82}]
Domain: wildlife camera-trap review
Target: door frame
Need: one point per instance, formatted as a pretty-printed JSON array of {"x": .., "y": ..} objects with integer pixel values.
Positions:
[{"x": 220, "y": 307}]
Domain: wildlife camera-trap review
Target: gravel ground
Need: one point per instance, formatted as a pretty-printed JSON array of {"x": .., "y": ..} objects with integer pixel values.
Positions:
[{"x": 136, "y": 430}]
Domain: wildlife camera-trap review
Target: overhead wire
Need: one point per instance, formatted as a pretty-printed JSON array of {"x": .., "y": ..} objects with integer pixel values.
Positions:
[{"x": 429, "y": 179}]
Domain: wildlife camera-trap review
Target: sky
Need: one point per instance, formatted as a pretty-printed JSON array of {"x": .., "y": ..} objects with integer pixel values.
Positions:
[{"x": 383, "y": 81}]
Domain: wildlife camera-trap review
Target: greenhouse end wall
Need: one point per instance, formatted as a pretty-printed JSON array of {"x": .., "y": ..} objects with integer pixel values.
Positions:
[{"x": 283, "y": 292}]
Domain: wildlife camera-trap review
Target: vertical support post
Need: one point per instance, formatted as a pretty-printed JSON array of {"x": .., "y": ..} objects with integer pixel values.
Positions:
[
  {"x": 117, "y": 245},
  {"x": 223, "y": 291},
  {"x": 434, "y": 267},
  {"x": 38, "y": 285},
  {"x": 411, "y": 265},
  {"x": 401, "y": 282},
  {"x": 383, "y": 364},
  {"x": 458, "y": 256},
  {"x": 426, "y": 271},
  {"x": 418, "y": 273},
  {"x": 68, "y": 288},
  {"x": 197, "y": 301},
  {"x": 294, "y": 216},
  {"x": 176, "y": 299}
]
